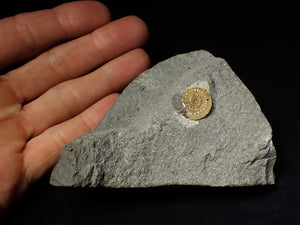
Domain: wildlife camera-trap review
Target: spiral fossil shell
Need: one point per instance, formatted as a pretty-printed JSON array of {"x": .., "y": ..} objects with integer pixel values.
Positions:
[{"x": 197, "y": 102}]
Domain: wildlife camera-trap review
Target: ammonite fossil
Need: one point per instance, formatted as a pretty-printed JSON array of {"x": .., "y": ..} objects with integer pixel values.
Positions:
[{"x": 197, "y": 103}]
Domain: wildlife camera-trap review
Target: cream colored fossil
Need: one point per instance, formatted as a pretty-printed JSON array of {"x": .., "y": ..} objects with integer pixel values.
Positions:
[{"x": 197, "y": 103}]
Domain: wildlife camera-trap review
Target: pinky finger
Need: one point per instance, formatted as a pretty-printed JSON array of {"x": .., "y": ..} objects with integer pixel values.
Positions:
[{"x": 43, "y": 151}]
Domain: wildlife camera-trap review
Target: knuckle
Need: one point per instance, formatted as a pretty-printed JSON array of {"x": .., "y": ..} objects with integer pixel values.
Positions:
[
  {"x": 88, "y": 122},
  {"x": 68, "y": 98},
  {"x": 99, "y": 39},
  {"x": 24, "y": 30},
  {"x": 57, "y": 63}
]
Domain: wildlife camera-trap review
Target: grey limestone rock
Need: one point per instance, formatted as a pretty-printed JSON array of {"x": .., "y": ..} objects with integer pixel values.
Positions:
[{"x": 144, "y": 140}]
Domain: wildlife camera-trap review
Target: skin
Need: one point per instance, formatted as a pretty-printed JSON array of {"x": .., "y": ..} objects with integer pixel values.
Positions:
[{"x": 77, "y": 61}]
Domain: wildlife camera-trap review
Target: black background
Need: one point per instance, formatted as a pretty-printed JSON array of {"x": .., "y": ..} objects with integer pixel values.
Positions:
[{"x": 261, "y": 44}]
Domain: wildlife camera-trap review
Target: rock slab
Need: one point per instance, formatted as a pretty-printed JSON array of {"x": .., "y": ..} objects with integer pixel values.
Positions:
[{"x": 144, "y": 140}]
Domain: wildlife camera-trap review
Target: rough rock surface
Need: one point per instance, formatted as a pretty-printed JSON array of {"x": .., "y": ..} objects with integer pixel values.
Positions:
[{"x": 143, "y": 140}]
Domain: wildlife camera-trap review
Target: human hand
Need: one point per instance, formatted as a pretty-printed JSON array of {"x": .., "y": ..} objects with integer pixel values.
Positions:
[{"x": 65, "y": 89}]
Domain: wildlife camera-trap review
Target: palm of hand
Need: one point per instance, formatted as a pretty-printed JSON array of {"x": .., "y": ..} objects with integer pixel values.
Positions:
[{"x": 54, "y": 98}]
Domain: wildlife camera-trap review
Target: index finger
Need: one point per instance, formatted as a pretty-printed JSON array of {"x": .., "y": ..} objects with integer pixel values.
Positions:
[{"x": 26, "y": 35}]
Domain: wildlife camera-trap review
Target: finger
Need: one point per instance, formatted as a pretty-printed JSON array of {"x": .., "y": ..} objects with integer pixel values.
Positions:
[
  {"x": 71, "y": 97},
  {"x": 26, "y": 35},
  {"x": 77, "y": 57},
  {"x": 43, "y": 151}
]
